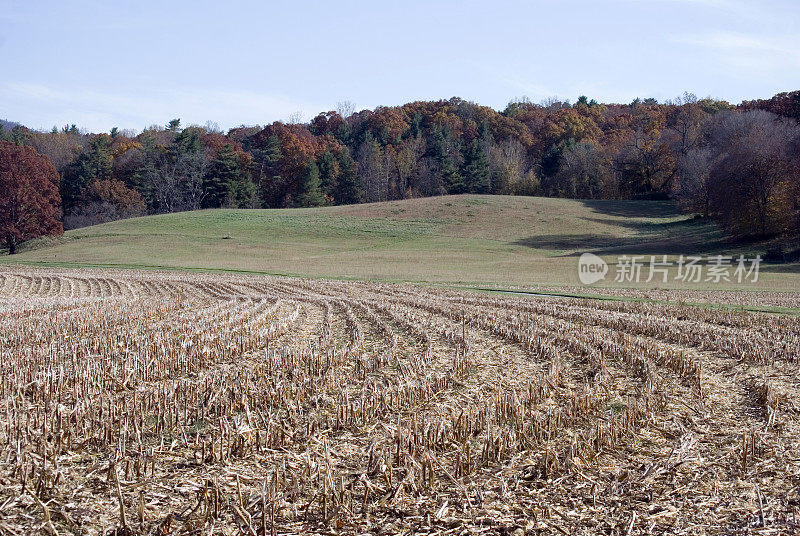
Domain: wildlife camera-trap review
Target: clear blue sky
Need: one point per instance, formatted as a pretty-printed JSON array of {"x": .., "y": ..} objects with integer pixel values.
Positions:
[{"x": 133, "y": 64}]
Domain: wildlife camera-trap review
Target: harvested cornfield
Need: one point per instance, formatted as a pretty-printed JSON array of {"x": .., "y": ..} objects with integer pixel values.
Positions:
[{"x": 166, "y": 403}]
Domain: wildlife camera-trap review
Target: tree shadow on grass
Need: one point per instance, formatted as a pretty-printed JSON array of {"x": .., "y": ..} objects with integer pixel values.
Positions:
[
  {"x": 686, "y": 235},
  {"x": 634, "y": 209},
  {"x": 686, "y": 224}
]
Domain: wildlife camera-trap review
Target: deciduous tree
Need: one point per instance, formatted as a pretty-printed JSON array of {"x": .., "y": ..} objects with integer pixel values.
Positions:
[{"x": 29, "y": 202}]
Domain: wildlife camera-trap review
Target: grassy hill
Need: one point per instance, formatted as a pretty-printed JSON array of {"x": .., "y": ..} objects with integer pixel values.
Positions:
[{"x": 497, "y": 240}]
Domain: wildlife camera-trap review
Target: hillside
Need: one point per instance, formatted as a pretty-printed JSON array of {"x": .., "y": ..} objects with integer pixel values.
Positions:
[{"x": 497, "y": 240}]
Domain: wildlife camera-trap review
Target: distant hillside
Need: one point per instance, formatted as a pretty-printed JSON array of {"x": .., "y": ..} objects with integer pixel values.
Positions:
[
  {"x": 8, "y": 125},
  {"x": 496, "y": 240}
]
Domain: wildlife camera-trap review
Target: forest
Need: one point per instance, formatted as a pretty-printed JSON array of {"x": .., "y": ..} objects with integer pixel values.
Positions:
[{"x": 738, "y": 163}]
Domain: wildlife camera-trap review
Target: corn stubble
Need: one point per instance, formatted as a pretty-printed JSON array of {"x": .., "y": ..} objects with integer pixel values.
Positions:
[{"x": 149, "y": 403}]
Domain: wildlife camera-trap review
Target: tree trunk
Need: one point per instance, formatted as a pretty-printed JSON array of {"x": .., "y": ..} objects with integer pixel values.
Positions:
[{"x": 12, "y": 245}]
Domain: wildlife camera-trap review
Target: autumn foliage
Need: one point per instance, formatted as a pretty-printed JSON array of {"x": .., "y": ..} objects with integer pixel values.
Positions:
[
  {"x": 29, "y": 201},
  {"x": 736, "y": 163}
]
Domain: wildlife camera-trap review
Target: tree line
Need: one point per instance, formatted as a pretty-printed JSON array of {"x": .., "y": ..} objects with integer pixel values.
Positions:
[{"x": 737, "y": 163}]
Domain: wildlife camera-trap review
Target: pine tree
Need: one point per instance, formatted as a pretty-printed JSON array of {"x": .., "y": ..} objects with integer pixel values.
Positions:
[
  {"x": 349, "y": 187},
  {"x": 309, "y": 193},
  {"x": 344, "y": 133},
  {"x": 244, "y": 191},
  {"x": 451, "y": 176},
  {"x": 264, "y": 166},
  {"x": 18, "y": 135},
  {"x": 187, "y": 142},
  {"x": 272, "y": 152},
  {"x": 416, "y": 125},
  {"x": 142, "y": 180},
  {"x": 225, "y": 184},
  {"x": 269, "y": 154},
  {"x": 93, "y": 165},
  {"x": 476, "y": 169},
  {"x": 328, "y": 172}
]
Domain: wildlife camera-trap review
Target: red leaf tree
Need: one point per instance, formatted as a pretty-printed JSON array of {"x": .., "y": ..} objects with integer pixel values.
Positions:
[{"x": 30, "y": 204}]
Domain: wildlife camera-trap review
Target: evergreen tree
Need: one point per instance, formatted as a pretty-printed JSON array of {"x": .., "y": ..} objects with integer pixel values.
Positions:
[
  {"x": 187, "y": 142},
  {"x": 344, "y": 133},
  {"x": 92, "y": 165},
  {"x": 272, "y": 152},
  {"x": 225, "y": 184},
  {"x": 328, "y": 172},
  {"x": 551, "y": 160},
  {"x": 476, "y": 169},
  {"x": 142, "y": 180},
  {"x": 244, "y": 191},
  {"x": 18, "y": 135},
  {"x": 309, "y": 193},
  {"x": 476, "y": 165},
  {"x": 264, "y": 168},
  {"x": 416, "y": 125},
  {"x": 443, "y": 148},
  {"x": 349, "y": 187}
]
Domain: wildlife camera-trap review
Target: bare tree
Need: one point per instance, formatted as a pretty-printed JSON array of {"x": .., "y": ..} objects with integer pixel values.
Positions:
[
  {"x": 685, "y": 124},
  {"x": 296, "y": 118},
  {"x": 213, "y": 127},
  {"x": 165, "y": 178},
  {"x": 407, "y": 163},
  {"x": 370, "y": 160},
  {"x": 507, "y": 163},
  {"x": 584, "y": 173},
  {"x": 193, "y": 168},
  {"x": 60, "y": 147},
  {"x": 345, "y": 108},
  {"x": 645, "y": 164},
  {"x": 553, "y": 103},
  {"x": 756, "y": 167},
  {"x": 694, "y": 186}
]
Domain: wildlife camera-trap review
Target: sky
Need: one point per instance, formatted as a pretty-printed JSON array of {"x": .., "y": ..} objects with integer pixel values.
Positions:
[{"x": 100, "y": 64}]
